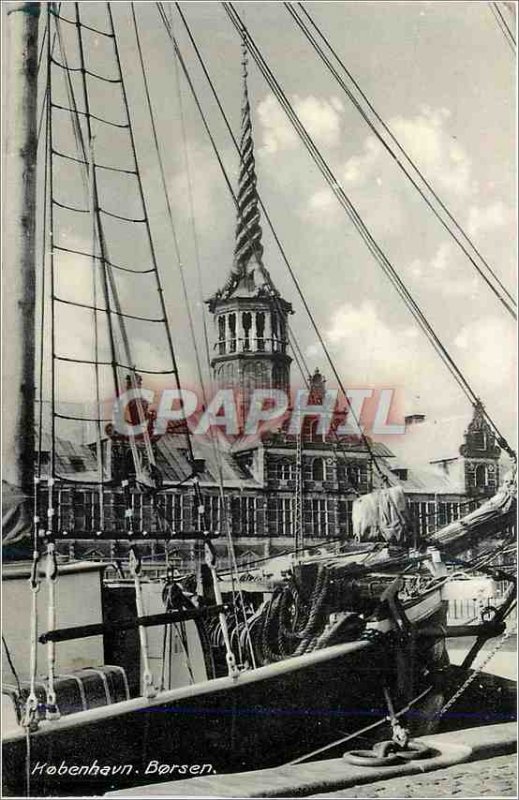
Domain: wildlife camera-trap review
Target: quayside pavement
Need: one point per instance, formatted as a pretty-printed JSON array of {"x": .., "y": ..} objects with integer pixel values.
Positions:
[
  {"x": 493, "y": 777},
  {"x": 469, "y": 754}
]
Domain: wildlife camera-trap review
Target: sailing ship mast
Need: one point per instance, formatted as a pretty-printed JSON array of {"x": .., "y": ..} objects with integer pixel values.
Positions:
[{"x": 18, "y": 355}]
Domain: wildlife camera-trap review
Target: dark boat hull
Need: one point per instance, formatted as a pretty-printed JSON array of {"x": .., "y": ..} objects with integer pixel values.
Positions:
[{"x": 262, "y": 719}]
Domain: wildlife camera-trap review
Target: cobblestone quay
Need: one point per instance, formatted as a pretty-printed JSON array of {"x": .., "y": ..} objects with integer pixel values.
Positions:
[{"x": 494, "y": 777}]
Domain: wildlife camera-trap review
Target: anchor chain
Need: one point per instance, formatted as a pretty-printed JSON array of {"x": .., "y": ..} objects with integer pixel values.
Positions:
[{"x": 472, "y": 677}]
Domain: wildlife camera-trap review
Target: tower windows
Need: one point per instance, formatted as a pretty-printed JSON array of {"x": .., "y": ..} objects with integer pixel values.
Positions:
[
  {"x": 260, "y": 331},
  {"x": 247, "y": 325},
  {"x": 232, "y": 333},
  {"x": 282, "y": 334},
  {"x": 275, "y": 331},
  {"x": 221, "y": 335}
]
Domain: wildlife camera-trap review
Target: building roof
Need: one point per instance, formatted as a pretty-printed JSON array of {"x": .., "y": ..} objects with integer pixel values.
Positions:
[
  {"x": 276, "y": 436},
  {"x": 72, "y": 459},
  {"x": 429, "y": 441},
  {"x": 432, "y": 479},
  {"x": 78, "y": 462},
  {"x": 173, "y": 463}
]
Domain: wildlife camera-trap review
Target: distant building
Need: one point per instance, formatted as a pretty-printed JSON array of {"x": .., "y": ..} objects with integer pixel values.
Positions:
[
  {"x": 446, "y": 467},
  {"x": 263, "y": 491}
]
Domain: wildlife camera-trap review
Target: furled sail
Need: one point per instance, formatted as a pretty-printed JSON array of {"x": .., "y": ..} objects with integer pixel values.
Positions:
[
  {"x": 16, "y": 523},
  {"x": 495, "y": 514},
  {"x": 381, "y": 515}
]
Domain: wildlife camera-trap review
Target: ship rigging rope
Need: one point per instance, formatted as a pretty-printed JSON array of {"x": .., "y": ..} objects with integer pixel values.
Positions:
[
  {"x": 380, "y": 470},
  {"x": 80, "y": 144},
  {"x": 148, "y": 229},
  {"x": 119, "y": 364},
  {"x": 364, "y": 439},
  {"x": 503, "y": 26},
  {"x": 92, "y": 307},
  {"x": 84, "y": 71},
  {"x": 178, "y": 57},
  {"x": 97, "y": 31},
  {"x": 99, "y": 431},
  {"x": 98, "y": 258},
  {"x": 298, "y": 355},
  {"x": 362, "y": 731},
  {"x": 508, "y": 301},
  {"x": 105, "y": 121},
  {"x": 106, "y": 274},
  {"x": 236, "y": 592},
  {"x": 381, "y": 258},
  {"x": 202, "y": 515}
]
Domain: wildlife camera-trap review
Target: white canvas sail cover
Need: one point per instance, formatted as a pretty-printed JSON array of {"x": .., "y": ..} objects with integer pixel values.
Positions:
[
  {"x": 495, "y": 509},
  {"x": 381, "y": 515}
]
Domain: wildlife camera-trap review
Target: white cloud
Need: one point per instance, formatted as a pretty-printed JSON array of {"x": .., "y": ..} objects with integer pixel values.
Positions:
[
  {"x": 371, "y": 180},
  {"x": 428, "y": 142},
  {"x": 487, "y": 218},
  {"x": 446, "y": 273},
  {"x": 488, "y": 351},
  {"x": 358, "y": 169},
  {"x": 435, "y": 150},
  {"x": 369, "y": 351},
  {"x": 321, "y": 117},
  {"x": 206, "y": 181}
]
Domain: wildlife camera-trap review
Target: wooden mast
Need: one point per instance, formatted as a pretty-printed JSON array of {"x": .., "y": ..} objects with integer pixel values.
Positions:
[{"x": 18, "y": 335}]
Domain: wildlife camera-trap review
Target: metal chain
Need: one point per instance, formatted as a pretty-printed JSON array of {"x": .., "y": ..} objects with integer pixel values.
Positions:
[{"x": 464, "y": 686}]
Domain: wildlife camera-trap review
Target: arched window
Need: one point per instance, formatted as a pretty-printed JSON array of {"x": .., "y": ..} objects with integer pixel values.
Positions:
[
  {"x": 247, "y": 323},
  {"x": 275, "y": 334},
  {"x": 318, "y": 472},
  {"x": 282, "y": 333},
  {"x": 232, "y": 333},
  {"x": 260, "y": 331},
  {"x": 221, "y": 335}
]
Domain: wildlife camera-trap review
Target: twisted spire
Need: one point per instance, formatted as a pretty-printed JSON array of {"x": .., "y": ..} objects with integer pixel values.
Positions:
[{"x": 248, "y": 230}]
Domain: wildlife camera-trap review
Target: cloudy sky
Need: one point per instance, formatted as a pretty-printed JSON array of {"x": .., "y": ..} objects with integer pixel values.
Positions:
[{"x": 442, "y": 77}]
